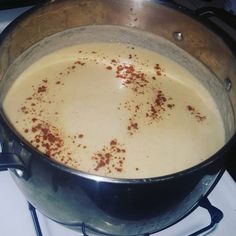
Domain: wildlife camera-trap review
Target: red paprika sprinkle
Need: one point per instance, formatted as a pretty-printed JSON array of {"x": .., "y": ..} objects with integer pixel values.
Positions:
[
  {"x": 196, "y": 114},
  {"x": 78, "y": 62},
  {"x": 42, "y": 88},
  {"x": 111, "y": 157},
  {"x": 109, "y": 68}
]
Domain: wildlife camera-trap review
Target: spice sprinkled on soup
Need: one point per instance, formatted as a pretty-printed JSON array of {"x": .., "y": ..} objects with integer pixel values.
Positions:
[{"x": 115, "y": 110}]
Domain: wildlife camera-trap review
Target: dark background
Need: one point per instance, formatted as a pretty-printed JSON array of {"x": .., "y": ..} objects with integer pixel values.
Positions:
[{"x": 6, "y": 4}]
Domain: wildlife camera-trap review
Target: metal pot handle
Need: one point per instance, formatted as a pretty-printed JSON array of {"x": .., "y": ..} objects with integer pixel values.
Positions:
[
  {"x": 12, "y": 161},
  {"x": 221, "y": 14},
  {"x": 204, "y": 15}
]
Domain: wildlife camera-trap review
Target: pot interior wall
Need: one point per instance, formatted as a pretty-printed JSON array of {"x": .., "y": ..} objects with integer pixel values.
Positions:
[{"x": 131, "y": 36}]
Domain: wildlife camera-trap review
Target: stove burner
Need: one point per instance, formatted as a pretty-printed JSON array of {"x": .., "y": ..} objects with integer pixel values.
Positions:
[{"x": 216, "y": 216}]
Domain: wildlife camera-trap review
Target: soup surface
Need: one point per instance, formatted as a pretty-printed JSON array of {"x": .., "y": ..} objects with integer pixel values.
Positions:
[{"x": 115, "y": 110}]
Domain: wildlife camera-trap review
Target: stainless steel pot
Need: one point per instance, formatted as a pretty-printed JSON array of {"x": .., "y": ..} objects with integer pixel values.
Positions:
[{"x": 105, "y": 205}]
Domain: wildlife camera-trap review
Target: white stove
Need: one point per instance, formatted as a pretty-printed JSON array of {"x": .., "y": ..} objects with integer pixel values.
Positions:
[{"x": 15, "y": 218}]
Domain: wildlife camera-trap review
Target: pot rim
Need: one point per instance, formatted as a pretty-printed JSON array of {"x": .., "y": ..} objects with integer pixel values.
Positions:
[{"x": 37, "y": 154}]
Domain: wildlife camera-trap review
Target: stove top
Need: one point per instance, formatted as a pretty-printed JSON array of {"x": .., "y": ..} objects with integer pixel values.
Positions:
[{"x": 15, "y": 218}]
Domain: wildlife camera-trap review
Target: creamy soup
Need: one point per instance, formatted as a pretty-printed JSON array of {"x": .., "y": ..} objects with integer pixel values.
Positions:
[{"x": 115, "y": 110}]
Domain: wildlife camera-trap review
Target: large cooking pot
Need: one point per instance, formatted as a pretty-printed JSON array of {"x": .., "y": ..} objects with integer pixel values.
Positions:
[{"x": 107, "y": 205}]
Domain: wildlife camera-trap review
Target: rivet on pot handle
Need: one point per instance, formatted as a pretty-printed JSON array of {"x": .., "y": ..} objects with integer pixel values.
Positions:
[
  {"x": 227, "y": 84},
  {"x": 178, "y": 36}
]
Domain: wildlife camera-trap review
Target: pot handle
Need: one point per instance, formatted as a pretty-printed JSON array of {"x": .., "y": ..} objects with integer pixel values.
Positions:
[
  {"x": 228, "y": 20},
  {"x": 224, "y": 16},
  {"x": 12, "y": 161},
  {"x": 11, "y": 156}
]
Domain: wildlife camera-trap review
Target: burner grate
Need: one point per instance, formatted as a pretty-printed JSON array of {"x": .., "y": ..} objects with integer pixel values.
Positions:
[
  {"x": 216, "y": 216},
  {"x": 35, "y": 220}
]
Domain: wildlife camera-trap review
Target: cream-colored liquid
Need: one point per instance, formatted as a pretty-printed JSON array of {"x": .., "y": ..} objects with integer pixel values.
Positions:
[{"x": 108, "y": 109}]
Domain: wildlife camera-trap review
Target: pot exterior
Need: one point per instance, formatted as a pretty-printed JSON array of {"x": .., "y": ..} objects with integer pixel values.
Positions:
[{"x": 109, "y": 207}]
